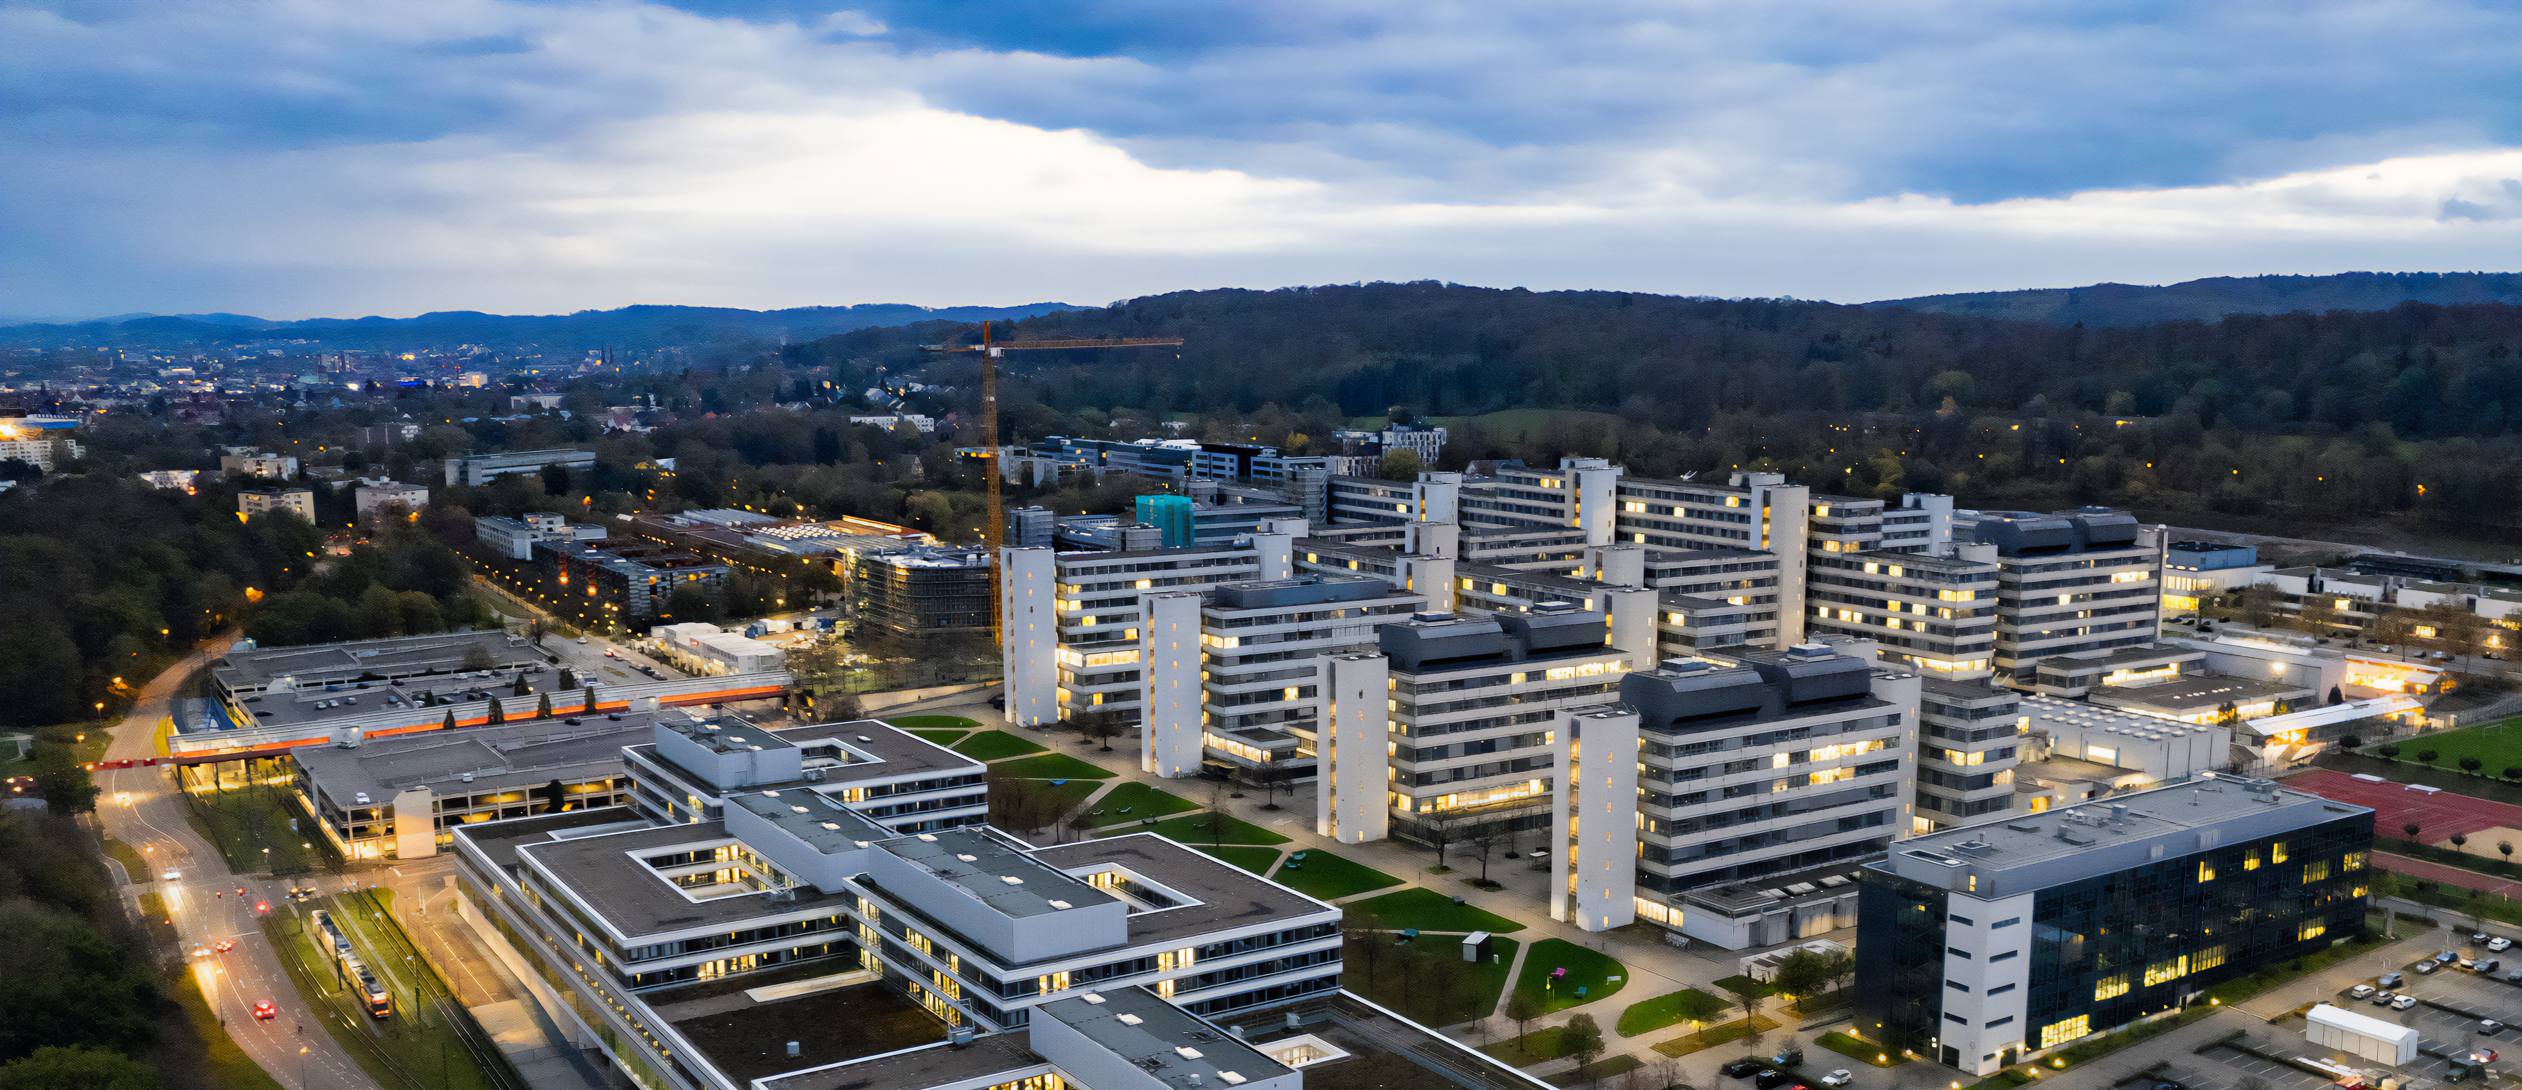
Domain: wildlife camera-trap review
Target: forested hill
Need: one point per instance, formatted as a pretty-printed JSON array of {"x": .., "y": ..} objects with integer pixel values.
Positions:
[
  {"x": 636, "y": 327},
  {"x": 2213, "y": 298},
  {"x": 2305, "y": 416}
]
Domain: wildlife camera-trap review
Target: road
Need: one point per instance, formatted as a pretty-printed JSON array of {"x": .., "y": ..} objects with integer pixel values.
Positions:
[{"x": 206, "y": 906}]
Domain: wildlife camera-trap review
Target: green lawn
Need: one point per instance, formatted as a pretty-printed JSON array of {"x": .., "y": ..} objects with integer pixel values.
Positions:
[
  {"x": 1329, "y": 877},
  {"x": 1052, "y": 766},
  {"x": 1256, "y": 860},
  {"x": 1673, "y": 1008},
  {"x": 941, "y": 737},
  {"x": 1426, "y": 981},
  {"x": 1727, "y": 984},
  {"x": 2497, "y": 746},
  {"x": 1194, "y": 830},
  {"x": 1855, "y": 1049},
  {"x": 1428, "y": 910},
  {"x": 1135, "y": 801},
  {"x": 130, "y": 860},
  {"x": 938, "y": 722},
  {"x": 1593, "y": 1074},
  {"x": 1538, "y": 1046},
  {"x": 1585, "y": 969},
  {"x": 244, "y": 822},
  {"x": 992, "y": 745}
]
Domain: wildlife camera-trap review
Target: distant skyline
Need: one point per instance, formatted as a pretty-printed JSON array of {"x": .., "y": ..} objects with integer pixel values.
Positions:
[{"x": 317, "y": 159}]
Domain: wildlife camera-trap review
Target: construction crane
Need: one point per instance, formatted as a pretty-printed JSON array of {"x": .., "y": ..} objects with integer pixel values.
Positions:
[{"x": 989, "y": 419}]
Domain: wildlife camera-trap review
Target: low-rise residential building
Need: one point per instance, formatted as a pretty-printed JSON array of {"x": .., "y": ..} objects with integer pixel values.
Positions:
[
  {"x": 374, "y": 496},
  {"x": 2000, "y": 942},
  {"x": 257, "y": 502},
  {"x": 276, "y": 467}
]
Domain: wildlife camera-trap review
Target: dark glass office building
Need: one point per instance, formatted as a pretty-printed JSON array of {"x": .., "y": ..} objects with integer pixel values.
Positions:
[{"x": 1988, "y": 944}]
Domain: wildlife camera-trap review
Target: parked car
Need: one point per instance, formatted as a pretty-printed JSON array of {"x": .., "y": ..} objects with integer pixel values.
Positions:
[
  {"x": 2489, "y": 965},
  {"x": 2512, "y": 976},
  {"x": 1840, "y": 1077},
  {"x": 1790, "y": 1056},
  {"x": 2403, "y": 1003},
  {"x": 1770, "y": 1080},
  {"x": 2466, "y": 963},
  {"x": 2425, "y": 967},
  {"x": 1740, "y": 1069},
  {"x": 2383, "y": 999},
  {"x": 2360, "y": 991},
  {"x": 2500, "y": 944},
  {"x": 2390, "y": 980},
  {"x": 2489, "y": 1025}
]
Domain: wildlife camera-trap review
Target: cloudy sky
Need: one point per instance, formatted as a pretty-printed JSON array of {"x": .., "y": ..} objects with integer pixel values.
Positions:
[{"x": 295, "y": 158}]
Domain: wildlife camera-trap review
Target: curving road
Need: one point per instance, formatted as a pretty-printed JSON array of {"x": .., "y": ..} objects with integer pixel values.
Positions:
[{"x": 140, "y": 807}]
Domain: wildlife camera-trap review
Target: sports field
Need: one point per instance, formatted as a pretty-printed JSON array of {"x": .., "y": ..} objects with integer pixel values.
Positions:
[{"x": 2438, "y": 815}]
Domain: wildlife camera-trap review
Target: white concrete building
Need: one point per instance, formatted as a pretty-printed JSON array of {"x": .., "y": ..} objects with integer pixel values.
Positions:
[{"x": 374, "y": 496}]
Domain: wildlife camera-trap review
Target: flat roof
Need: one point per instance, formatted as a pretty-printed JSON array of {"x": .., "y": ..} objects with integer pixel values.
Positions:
[
  {"x": 1172, "y": 1045},
  {"x": 981, "y": 865},
  {"x": 606, "y": 874},
  {"x": 466, "y": 692},
  {"x": 500, "y": 840},
  {"x": 1229, "y": 896},
  {"x": 2193, "y": 691},
  {"x": 2126, "y": 656},
  {"x": 527, "y": 754},
  {"x": 2054, "y": 713},
  {"x": 2167, "y": 816},
  {"x": 869, "y": 749},
  {"x": 913, "y": 1069},
  {"x": 254, "y": 668},
  {"x": 824, "y": 825},
  {"x": 1950, "y": 689},
  {"x": 723, "y": 734}
]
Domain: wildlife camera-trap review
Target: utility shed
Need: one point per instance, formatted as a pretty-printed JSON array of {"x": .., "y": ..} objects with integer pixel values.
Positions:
[{"x": 2361, "y": 1035}]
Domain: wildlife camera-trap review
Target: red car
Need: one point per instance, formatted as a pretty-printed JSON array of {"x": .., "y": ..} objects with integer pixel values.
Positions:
[
  {"x": 226, "y": 945},
  {"x": 265, "y": 1011}
]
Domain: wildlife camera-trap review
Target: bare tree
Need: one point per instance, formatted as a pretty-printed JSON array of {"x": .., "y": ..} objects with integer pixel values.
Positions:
[
  {"x": 1099, "y": 725},
  {"x": 1485, "y": 838},
  {"x": 1440, "y": 828}
]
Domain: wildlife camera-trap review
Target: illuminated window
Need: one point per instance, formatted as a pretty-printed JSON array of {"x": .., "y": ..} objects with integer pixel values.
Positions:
[
  {"x": 2206, "y": 871},
  {"x": 2208, "y": 958},
  {"x": 2250, "y": 861},
  {"x": 2313, "y": 929},
  {"x": 2354, "y": 861},
  {"x": 2162, "y": 971},
  {"x": 2110, "y": 987},
  {"x": 2059, "y": 1033},
  {"x": 2277, "y": 852},
  {"x": 2316, "y": 870}
]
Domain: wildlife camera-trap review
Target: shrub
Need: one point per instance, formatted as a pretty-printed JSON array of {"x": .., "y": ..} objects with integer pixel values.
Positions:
[
  {"x": 2389, "y": 751},
  {"x": 2427, "y": 756}
]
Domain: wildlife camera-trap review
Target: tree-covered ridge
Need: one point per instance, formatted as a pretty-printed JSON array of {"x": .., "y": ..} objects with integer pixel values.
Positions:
[{"x": 2309, "y": 416}]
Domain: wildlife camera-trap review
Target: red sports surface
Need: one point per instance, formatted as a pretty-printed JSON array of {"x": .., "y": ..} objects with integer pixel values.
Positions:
[{"x": 2438, "y": 815}]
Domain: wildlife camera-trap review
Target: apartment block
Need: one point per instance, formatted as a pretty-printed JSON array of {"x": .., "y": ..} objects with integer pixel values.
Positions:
[
  {"x": 1937, "y": 614},
  {"x": 1074, "y": 635},
  {"x": 1760, "y": 766},
  {"x": 1999, "y": 942},
  {"x": 1973, "y": 735},
  {"x": 1264, "y": 642},
  {"x": 2079, "y": 581},
  {"x": 257, "y": 502}
]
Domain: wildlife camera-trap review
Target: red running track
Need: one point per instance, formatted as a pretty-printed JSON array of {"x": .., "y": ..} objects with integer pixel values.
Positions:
[{"x": 2438, "y": 815}]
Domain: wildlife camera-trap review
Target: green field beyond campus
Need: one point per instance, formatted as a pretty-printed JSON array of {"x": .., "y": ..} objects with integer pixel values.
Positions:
[{"x": 2497, "y": 746}]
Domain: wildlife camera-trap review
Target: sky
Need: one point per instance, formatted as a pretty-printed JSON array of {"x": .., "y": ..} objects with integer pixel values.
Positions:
[{"x": 300, "y": 158}]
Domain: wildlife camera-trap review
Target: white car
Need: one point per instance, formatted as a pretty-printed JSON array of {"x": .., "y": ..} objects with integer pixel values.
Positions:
[
  {"x": 2360, "y": 991},
  {"x": 1841, "y": 1077},
  {"x": 2403, "y": 1003},
  {"x": 2500, "y": 944},
  {"x": 173, "y": 875}
]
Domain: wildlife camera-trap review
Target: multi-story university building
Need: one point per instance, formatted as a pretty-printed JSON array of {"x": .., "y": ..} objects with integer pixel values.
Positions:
[
  {"x": 2083, "y": 581},
  {"x": 850, "y": 844},
  {"x": 2001, "y": 941}
]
